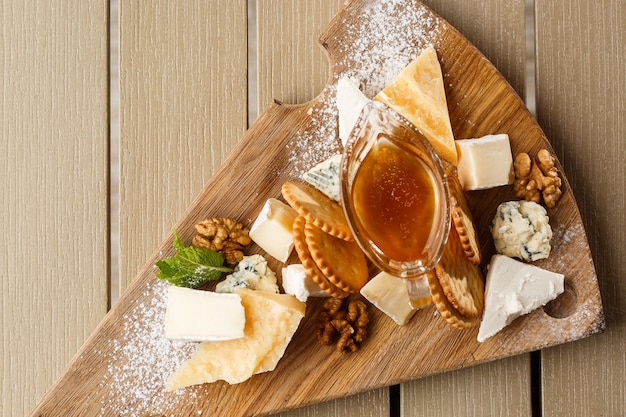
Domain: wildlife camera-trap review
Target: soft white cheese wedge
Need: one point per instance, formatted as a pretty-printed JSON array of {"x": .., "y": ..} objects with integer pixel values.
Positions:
[
  {"x": 296, "y": 283},
  {"x": 389, "y": 294},
  {"x": 325, "y": 177},
  {"x": 485, "y": 162},
  {"x": 271, "y": 321},
  {"x": 197, "y": 315},
  {"x": 272, "y": 229},
  {"x": 350, "y": 103},
  {"x": 514, "y": 288}
]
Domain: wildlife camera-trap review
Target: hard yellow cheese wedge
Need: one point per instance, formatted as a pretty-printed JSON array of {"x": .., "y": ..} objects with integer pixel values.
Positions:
[
  {"x": 271, "y": 321},
  {"x": 418, "y": 94}
]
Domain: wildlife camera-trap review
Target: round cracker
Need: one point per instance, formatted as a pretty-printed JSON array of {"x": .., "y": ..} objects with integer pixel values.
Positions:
[
  {"x": 463, "y": 220},
  {"x": 312, "y": 271},
  {"x": 341, "y": 261},
  {"x": 443, "y": 306},
  {"x": 461, "y": 281},
  {"x": 317, "y": 208}
]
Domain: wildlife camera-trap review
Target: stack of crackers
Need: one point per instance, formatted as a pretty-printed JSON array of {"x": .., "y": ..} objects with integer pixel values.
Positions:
[
  {"x": 456, "y": 284},
  {"x": 334, "y": 261},
  {"x": 324, "y": 242}
]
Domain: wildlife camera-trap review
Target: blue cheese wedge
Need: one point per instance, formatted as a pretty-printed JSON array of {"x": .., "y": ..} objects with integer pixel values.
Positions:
[
  {"x": 390, "y": 295},
  {"x": 514, "y": 288},
  {"x": 271, "y": 321},
  {"x": 297, "y": 283},
  {"x": 272, "y": 229},
  {"x": 350, "y": 103},
  {"x": 325, "y": 177},
  {"x": 251, "y": 272},
  {"x": 521, "y": 229},
  {"x": 485, "y": 162},
  {"x": 196, "y": 315}
]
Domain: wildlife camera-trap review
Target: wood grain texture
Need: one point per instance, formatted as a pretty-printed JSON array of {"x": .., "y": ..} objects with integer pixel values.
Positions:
[
  {"x": 293, "y": 68},
  {"x": 492, "y": 389},
  {"x": 183, "y": 104},
  {"x": 54, "y": 174},
  {"x": 275, "y": 149},
  {"x": 581, "y": 80},
  {"x": 497, "y": 29},
  {"x": 369, "y": 404}
]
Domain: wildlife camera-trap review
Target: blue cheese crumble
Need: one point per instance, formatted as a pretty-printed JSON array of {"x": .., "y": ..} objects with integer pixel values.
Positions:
[
  {"x": 520, "y": 229},
  {"x": 251, "y": 272},
  {"x": 325, "y": 176}
]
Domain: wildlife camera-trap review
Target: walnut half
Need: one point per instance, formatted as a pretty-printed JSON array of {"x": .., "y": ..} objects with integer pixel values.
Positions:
[
  {"x": 537, "y": 179},
  {"x": 223, "y": 235},
  {"x": 343, "y": 323}
]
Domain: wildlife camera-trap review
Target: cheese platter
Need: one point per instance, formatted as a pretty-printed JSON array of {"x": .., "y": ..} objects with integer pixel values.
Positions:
[{"x": 123, "y": 367}]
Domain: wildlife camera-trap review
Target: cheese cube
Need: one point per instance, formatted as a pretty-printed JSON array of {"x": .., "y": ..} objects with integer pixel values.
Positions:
[
  {"x": 271, "y": 321},
  {"x": 485, "y": 162},
  {"x": 272, "y": 229},
  {"x": 198, "y": 315},
  {"x": 298, "y": 284},
  {"x": 350, "y": 103},
  {"x": 389, "y": 294},
  {"x": 514, "y": 288}
]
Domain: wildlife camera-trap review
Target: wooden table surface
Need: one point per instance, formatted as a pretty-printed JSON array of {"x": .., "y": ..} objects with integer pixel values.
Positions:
[{"x": 184, "y": 72}]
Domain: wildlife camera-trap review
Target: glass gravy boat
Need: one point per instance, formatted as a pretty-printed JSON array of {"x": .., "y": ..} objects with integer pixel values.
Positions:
[{"x": 395, "y": 195}]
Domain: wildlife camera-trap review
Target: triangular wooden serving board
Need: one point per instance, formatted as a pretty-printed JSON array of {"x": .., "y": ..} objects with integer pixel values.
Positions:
[{"x": 122, "y": 367}]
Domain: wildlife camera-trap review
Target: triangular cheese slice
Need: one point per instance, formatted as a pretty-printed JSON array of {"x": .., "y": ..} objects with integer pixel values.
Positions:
[
  {"x": 350, "y": 103},
  {"x": 418, "y": 94},
  {"x": 271, "y": 321},
  {"x": 513, "y": 289}
]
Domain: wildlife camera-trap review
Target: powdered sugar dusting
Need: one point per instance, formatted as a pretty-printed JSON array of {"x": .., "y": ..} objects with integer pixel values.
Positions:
[
  {"x": 384, "y": 39},
  {"x": 387, "y": 37},
  {"x": 376, "y": 46},
  {"x": 570, "y": 244},
  {"x": 142, "y": 360},
  {"x": 319, "y": 140}
]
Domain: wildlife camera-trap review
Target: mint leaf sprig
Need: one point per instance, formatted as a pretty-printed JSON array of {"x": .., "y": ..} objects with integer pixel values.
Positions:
[{"x": 191, "y": 267}]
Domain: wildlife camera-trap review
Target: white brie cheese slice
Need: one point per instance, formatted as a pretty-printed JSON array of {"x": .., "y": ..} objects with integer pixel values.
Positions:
[
  {"x": 350, "y": 103},
  {"x": 514, "y": 288},
  {"x": 197, "y": 315}
]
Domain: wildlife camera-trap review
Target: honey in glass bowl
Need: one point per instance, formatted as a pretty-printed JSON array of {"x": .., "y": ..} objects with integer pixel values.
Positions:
[{"x": 394, "y": 193}]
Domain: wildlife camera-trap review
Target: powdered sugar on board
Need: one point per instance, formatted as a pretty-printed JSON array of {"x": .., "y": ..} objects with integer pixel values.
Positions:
[
  {"x": 387, "y": 36},
  {"x": 384, "y": 39},
  {"x": 376, "y": 47},
  {"x": 140, "y": 362}
]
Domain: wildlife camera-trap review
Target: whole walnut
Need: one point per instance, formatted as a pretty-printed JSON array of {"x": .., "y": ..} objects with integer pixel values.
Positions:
[
  {"x": 537, "y": 180},
  {"x": 223, "y": 235},
  {"x": 343, "y": 323}
]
